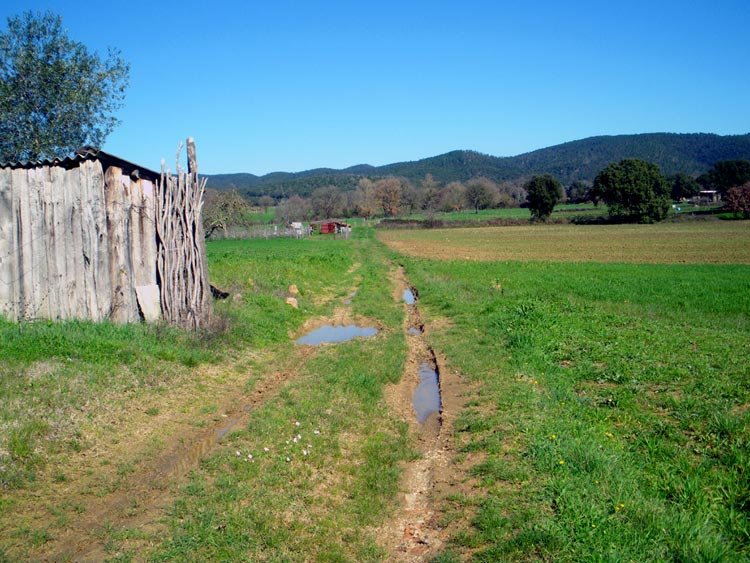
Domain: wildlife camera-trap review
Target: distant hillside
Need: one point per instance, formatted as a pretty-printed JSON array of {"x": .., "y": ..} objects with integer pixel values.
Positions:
[{"x": 692, "y": 153}]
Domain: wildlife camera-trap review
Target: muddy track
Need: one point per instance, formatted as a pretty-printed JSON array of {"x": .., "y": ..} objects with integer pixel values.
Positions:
[
  {"x": 416, "y": 532},
  {"x": 140, "y": 502}
]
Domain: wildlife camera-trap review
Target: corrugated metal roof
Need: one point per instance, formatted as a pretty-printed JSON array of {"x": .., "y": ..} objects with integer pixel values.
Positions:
[{"x": 83, "y": 154}]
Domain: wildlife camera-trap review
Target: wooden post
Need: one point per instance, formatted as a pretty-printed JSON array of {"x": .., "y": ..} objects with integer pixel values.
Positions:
[
  {"x": 183, "y": 275},
  {"x": 8, "y": 261},
  {"x": 191, "y": 158},
  {"x": 123, "y": 293}
]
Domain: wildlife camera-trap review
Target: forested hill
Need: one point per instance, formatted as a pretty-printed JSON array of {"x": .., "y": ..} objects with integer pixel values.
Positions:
[{"x": 692, "y": 153}]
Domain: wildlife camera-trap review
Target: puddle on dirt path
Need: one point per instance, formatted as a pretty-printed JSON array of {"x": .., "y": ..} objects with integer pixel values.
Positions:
[
  {"x": 426, "y": 398},
  {"x": 409, "y": 297},
  {"x": 333, "y": 334},
  {"x": 415, "y": 330}
]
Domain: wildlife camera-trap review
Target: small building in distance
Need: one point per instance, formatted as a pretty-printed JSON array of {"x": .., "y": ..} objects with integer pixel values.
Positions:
[
  {"x": 333, "y": 228},
  {"x": 706, "y": 197}
]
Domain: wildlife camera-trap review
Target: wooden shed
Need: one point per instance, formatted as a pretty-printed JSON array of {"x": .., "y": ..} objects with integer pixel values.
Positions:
[{"x": 94, "y": 236}]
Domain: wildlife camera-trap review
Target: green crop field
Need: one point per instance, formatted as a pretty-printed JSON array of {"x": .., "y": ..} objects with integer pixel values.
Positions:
[
  {"x": 611, "y": 420},
  {"x": 603, "y": 410}
]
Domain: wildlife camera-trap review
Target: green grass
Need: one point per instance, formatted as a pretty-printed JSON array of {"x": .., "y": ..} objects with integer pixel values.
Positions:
[
  {"x": 312, "y": 498},
  {"x": 610, "y": 419},
  {"x": 565, "y": 210},
  {"x": 49, "y": 370},
  {"x": 260, "y": 217},
  {"x": 613, "y": 407}
]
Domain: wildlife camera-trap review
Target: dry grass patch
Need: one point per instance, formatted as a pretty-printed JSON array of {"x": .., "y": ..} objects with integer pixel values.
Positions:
[{"x": 714, "y": 242}]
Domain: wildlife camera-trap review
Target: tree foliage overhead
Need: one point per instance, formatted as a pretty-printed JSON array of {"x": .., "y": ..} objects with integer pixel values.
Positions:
[
  {"x": 634, "y": 190},
  {"x": 55, "y": 95},
  {"x": 543, "y": 193}
]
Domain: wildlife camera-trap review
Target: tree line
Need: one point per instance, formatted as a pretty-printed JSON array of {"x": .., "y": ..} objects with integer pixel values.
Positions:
[
  {"x": 633, "y": 190},
  {"x": 636, "y": 190}
]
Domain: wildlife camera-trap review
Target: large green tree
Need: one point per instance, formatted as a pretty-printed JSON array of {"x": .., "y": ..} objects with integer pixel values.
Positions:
[
  {"x": 634, "y": 190},
  {"x": 55, "y": 95},
  {"x": 542, "y": 194},
  {"x": 726, "y": 174},
  {"x": 683, "y": 186}
]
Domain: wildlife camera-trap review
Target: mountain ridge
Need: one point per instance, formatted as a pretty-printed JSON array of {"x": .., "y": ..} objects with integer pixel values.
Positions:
[{"x": 581, "y": 159}]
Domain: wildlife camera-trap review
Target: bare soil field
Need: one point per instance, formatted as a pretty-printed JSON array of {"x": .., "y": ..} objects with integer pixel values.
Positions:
[{"x": 699, "y": 242}]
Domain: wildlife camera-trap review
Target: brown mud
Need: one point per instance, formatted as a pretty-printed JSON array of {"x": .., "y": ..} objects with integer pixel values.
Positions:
[{"x": 418, "y": 531}]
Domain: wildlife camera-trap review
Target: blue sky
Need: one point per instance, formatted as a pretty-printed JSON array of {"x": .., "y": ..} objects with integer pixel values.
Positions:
[{"x": 268, "y": 86}]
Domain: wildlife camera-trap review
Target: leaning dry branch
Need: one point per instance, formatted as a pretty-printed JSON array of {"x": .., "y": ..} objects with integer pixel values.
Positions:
[{"x": 181, "y": 263}]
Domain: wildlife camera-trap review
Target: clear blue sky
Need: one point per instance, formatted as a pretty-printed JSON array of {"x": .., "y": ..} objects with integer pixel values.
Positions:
[{"x": 267, "y": 86}]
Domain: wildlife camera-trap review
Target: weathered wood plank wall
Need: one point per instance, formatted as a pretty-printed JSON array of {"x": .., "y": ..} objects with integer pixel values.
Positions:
[{"x": 75, "y": 244}]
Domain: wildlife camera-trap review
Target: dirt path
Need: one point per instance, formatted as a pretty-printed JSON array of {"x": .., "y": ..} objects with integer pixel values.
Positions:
[
  {"x": 152, "y": 455},
  {"x": 138, "y": 504},
  {"x": 417, "y": 532},
  {"x": 140, "y": 500}
]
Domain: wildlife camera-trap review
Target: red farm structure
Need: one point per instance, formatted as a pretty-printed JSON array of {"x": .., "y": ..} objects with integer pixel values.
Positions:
[{"x": 334, "y": 227}]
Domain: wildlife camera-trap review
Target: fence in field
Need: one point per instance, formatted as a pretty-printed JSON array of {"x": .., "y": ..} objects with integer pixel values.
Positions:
[{"x": 96, "y": 237}]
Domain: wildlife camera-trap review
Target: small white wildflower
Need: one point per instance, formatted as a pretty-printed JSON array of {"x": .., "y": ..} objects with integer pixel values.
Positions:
[
  {"x": 266, "y": 450},
  {"x": 299, "y": 436},
  {"x": 249, "y": 456},
  {"x": 304, "y": 452},
  {"x": 237, "y": 453},
  {"x": 316, "y": 432},
  {"x": 288, "y": 459},
  {"x": 295, "y": 439},
  {"x": 296, "y": 423}
]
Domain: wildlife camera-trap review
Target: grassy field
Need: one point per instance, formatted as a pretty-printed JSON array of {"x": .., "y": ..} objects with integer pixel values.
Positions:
[
  {"x": 612, "y": 420},
  {"x": 89, "y": 411},
  {"x": 711, "y": 242},
  {"x": 607, "y": 417}
]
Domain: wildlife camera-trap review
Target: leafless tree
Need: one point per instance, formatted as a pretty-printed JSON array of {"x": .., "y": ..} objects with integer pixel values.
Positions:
[
  {"x": 410, "y": 199},
  {"x": 292, "y": 209},
  {"x": 326, "y": 202},
  {"x": 480, "y": 193},
  {"x": 512, "y": 193},
  {"x": 388, "y": 192},
  {"x": 365, "y": 203},
  {"x": 453, "y": 197},
  {"x": 266, "y": 201}
]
